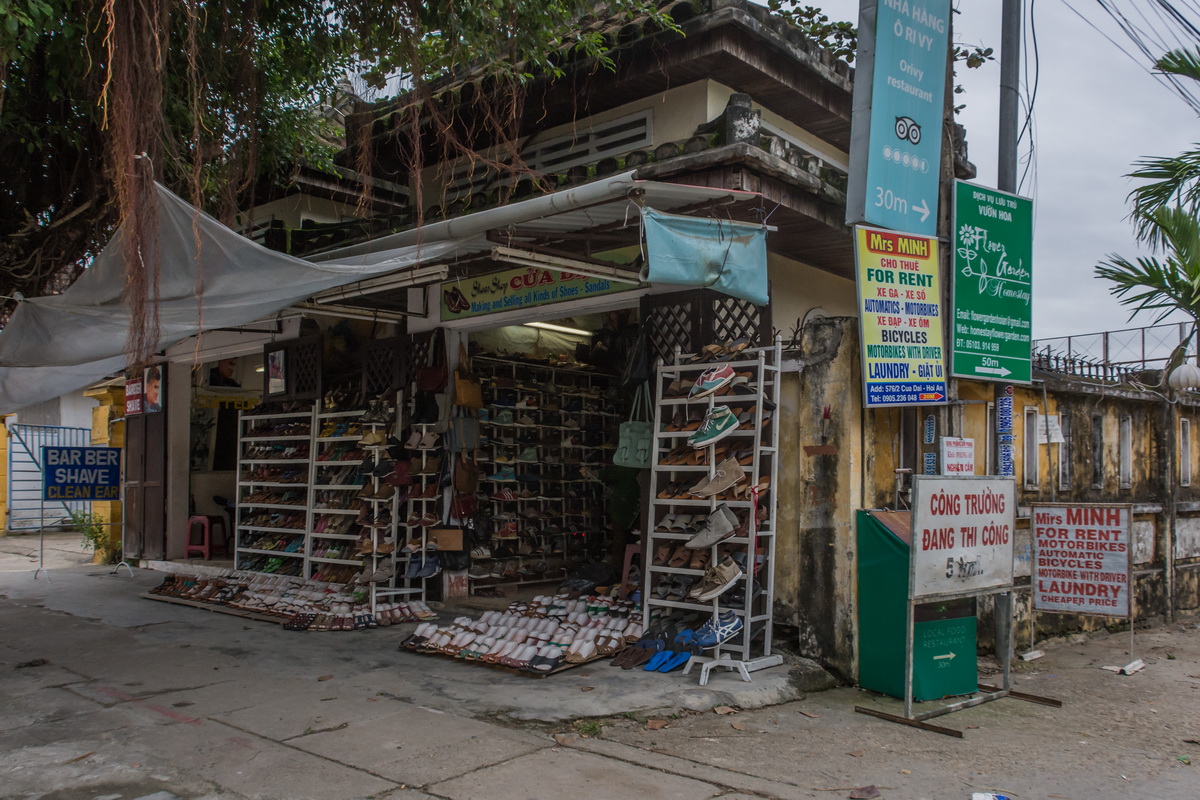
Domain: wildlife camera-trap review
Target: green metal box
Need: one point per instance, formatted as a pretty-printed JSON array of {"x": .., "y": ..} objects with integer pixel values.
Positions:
[{"x": 943, "y": 634}]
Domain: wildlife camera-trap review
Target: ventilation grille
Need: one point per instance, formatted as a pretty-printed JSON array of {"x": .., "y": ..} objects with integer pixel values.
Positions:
[{"x": 584, "y": 146}]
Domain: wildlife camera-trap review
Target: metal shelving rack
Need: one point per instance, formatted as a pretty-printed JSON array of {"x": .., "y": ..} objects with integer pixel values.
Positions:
[
  {"x": 752, "y": 646},
  {"x": 248, "y": 485}
]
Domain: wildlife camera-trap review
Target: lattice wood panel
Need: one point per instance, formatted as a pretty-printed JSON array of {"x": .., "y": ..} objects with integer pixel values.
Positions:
[
  {"x": 383, "y": 369},
  {"x": 691, "y": 319},
  {"x": 304, "y": 367},
  {"x": 671, "y": 323},
  {"x": 418, "y": 354},
  {"x": 732, "y": 318}
]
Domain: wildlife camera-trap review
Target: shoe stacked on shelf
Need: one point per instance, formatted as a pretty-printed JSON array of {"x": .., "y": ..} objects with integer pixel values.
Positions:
[
  {"x": 424, "y": 467},
  {"x": 376, "y": 545},
  {"x": 335, "y": 504},
  {"x": 272, "y": 508},
  {"x": 712, "y": 537},
  {"x": 547, "y": 431}
]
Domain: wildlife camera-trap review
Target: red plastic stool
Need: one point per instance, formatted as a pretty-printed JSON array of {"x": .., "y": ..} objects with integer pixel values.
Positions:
[{"x": 206, "y": 544}]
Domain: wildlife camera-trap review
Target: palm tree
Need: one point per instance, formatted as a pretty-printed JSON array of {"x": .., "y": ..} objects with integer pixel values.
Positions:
[
  {"x": 1174, "y": 180},
  {"x": 1166, "y": 284}
]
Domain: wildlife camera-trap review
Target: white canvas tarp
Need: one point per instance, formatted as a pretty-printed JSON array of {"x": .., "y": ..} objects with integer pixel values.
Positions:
[{"x": 57, "y": 344}]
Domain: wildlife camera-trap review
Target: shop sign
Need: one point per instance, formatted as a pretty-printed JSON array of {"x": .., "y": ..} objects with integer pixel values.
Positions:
[
  {"x": 930, "y": 429},
  {"x": 993, "y": 285},
  {"x": 962, "y": 538},
  {"x": 133, "y": 396},
  {"x": 514, "y": 289},
  {"x": 1005, "y": 438},
  {"x": 1081, "y": 559},
  {"x": 1049, "y": 429},
  {"x": 900, "y": 316},
  {"x": 897, "y": 114},
  {"x": 958, "y": 456},
  {"x": 929, "y": 464},
  {"x": 81, "y": 473}
]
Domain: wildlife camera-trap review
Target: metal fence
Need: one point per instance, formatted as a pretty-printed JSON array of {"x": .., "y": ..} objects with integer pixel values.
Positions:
[
  {"x": 27, "y": 511},
  {"x": 1117, "y": 352}
]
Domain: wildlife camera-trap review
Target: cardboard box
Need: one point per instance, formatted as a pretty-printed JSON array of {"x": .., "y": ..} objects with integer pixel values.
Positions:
[{"x": 447, "y": 538}]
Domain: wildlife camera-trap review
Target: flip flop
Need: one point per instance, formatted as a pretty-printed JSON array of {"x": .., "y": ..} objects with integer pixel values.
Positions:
[
  {"x": 676, "y": 661},
  {"x": 658, "y": 659}
]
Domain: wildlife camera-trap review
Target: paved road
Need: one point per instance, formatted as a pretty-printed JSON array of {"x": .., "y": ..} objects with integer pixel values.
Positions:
[{"x": 105, "y": 695}]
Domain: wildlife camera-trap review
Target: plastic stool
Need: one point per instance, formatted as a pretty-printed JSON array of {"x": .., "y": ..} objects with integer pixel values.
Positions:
[
  {"x": 631, "y": 550},
  {"x": 205, "y": 547}
]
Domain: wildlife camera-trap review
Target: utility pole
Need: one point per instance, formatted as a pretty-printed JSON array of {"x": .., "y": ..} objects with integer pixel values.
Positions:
[{"x": 1006, "y": 181}]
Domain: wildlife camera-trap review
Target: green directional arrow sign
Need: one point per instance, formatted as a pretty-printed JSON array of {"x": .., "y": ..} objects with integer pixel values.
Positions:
[{"x": 993, "y": 285}]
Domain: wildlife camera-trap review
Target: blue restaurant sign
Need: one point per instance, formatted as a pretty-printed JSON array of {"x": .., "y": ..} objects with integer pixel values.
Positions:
[
  {"x": 81, "y": 473},
  {"x": 897, "y": 116}
]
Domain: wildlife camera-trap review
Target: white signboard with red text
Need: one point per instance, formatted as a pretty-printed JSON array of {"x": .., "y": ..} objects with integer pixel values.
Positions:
[
  {"x": 962, "y": 538},
  {"x": 958, "y": 456},
  {"x": 1081, "y": 559}
]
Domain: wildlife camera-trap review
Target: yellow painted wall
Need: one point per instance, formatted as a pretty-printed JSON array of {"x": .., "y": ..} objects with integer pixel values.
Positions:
[
  {"x": 718, "y": 98},
  {"x": 296, "y": 208},
  {"x": 797, "y": 288},
  {"x": 107, "y": 433}
]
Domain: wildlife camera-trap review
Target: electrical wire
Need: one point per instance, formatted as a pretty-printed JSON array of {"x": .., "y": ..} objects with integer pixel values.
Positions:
[{"x": 1028, "y": 126}]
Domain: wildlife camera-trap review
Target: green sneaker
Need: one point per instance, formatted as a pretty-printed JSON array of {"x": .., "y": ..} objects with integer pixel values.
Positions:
[{"x": 719, "y": 423}]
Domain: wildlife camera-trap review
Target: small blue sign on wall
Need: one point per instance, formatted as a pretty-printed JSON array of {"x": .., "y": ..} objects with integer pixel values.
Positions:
[
  {"x": 81, "y": 473},
  {"x": 930, "y": 463}
]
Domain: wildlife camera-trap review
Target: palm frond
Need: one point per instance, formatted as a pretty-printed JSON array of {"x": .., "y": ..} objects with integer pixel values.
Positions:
[
  {"x": 1184, "y": 62},
  {"x": 1174, "y": 180},
  {"x": 1160, "y": 286}
]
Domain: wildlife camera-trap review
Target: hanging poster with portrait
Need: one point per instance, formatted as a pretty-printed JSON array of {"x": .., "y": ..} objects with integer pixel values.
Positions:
[{"x": 153, "y": 396}]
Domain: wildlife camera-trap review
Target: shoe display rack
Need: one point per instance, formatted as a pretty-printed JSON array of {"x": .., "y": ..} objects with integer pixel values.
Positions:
[
  {"x": 313, "y": 502},
  {"x": 422, "y": 509},
  {"x": 546, "y": 430},
  {"x": 332, "y": 555},
  {"x": 273, "y": 510},
  {"x": 712, "y": 537}
]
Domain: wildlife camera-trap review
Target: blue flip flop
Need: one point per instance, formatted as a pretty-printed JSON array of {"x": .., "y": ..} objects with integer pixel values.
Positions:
[
  {"x": 676, "y": 661},
  {"x": 660, "y": 658}
]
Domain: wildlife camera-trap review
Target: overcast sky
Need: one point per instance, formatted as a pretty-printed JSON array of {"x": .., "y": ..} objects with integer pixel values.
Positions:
[{"x": 1096, "y": 113}]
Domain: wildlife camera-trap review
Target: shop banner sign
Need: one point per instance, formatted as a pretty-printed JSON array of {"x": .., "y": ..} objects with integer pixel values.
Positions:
[
  {"x": 524, "y": 287},
  {"x": 958, "y": 456},
  {"x": 897, "y": 114},
  {"x": 1081, "y": 559},
  {"x": 81, "y": 473},
  {"x": 707, "y": 253},
  {"x": 962, "y": 537},
  {"x": 134, "y": 391},
  {"x": 900, "y": 316},
  {"x": 993, "y": 285}
]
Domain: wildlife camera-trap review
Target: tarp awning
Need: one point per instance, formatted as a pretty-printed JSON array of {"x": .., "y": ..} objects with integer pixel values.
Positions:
[{"x": 57, "y": 344}]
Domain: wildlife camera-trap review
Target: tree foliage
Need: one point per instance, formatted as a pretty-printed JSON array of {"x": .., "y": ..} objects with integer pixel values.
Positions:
[
  {"x": 1173, "y": 180},
  {"x": 1163, "y": 285},
  {"x": 98, "y": 98}
]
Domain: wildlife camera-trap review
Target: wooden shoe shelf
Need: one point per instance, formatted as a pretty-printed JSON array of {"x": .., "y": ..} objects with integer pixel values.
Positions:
[{"x": 750, "y": 649}]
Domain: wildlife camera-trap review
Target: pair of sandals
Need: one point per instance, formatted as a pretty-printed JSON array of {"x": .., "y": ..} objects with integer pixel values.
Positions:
[
  {"x": 721, "y": 351},
  {"x": 422, "y": 440}
]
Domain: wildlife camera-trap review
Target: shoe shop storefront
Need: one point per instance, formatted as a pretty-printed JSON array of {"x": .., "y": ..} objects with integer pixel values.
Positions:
[{"x": 594, "y": 449}]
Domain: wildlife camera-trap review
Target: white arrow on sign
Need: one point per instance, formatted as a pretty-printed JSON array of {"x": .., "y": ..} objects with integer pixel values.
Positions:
[
  {"x": 1001, "y": 371},
  {"x": 923, "y": 208},
  {"x": 948, "y": 656}
]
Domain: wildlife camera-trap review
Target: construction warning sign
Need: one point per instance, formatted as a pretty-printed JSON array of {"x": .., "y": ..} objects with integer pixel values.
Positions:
[
  {"x": 900, "y": 314},
  {"x": 1081, "y": 562}
]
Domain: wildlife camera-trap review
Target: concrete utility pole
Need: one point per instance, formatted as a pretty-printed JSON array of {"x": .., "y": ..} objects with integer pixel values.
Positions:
[{"x": 1006, "y": 181}]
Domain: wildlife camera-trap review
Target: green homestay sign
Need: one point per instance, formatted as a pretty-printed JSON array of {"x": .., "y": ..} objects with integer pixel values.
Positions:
[
  {"x": 515, "y": 289},
  {"x": 993, "y": 285}
]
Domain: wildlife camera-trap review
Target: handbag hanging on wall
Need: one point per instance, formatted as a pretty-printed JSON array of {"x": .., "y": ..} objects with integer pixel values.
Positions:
[
  {"x": 467, "y": 391},
  {"x": 432, "y": 377},
  {"x": 635, "y": 444}
]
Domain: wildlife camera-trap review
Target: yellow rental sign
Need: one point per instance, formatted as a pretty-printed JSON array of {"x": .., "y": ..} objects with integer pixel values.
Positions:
[{"x": 900, "y": 317}]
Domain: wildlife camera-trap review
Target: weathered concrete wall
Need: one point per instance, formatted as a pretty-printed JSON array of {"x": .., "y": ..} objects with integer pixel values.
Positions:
[{"x": 818, "y": 491}]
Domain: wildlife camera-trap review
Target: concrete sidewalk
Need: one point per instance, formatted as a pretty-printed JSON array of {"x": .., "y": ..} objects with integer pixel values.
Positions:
[{"x": 106, "y": 695}]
